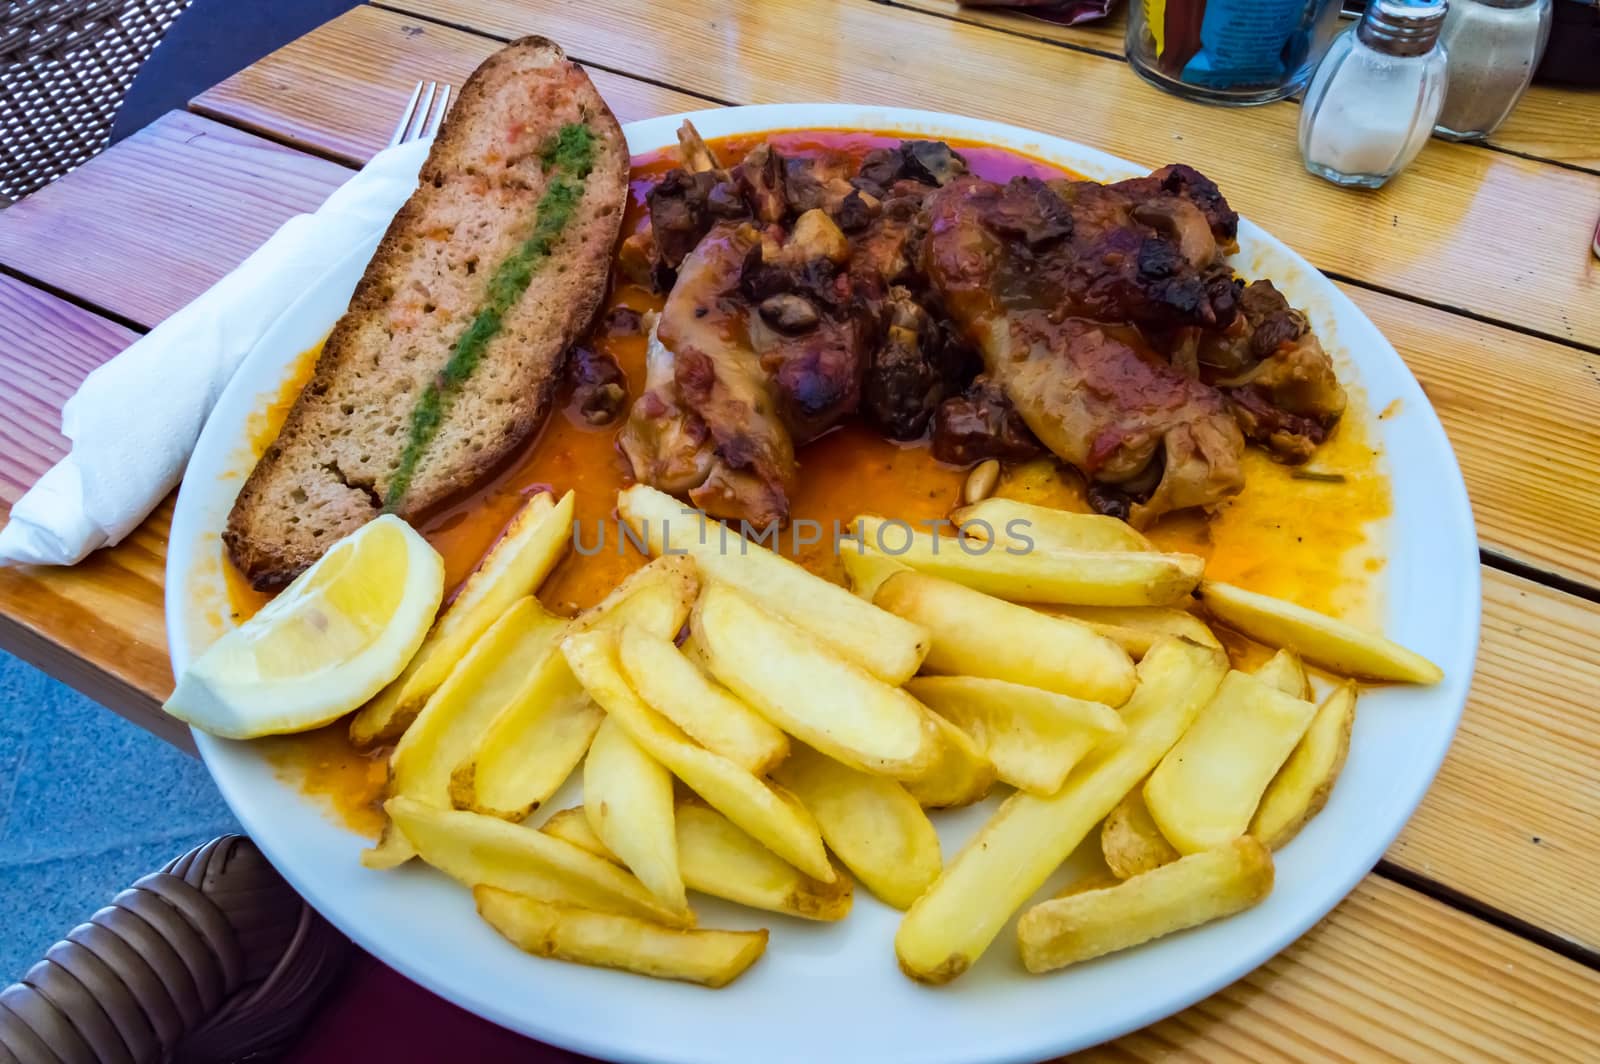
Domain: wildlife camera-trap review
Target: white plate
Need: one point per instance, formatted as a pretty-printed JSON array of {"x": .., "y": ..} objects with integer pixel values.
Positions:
[{"x": 832, "y": 992}]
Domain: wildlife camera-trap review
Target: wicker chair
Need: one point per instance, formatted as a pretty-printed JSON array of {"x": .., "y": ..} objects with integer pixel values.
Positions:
[{"x": 64, "y": 67}]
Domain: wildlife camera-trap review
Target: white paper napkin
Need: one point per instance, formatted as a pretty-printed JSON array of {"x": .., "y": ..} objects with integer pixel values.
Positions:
[{"x": 135, "y": 420}]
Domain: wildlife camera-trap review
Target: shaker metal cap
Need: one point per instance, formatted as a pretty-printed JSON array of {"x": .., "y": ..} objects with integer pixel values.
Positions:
[{"x": 1402, "y": 27}]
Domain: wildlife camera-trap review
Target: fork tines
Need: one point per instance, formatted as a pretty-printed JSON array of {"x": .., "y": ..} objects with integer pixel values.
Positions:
[{"x": 424, "y": 111}]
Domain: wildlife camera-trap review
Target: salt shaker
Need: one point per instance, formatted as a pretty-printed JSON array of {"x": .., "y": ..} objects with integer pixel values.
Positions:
[
  {"x": 1376, "y": 95},
  {"x": 1493, "y": 46}
]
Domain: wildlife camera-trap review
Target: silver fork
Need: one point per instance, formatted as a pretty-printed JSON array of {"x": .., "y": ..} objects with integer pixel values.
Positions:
[{"x": 424, "y": 111}]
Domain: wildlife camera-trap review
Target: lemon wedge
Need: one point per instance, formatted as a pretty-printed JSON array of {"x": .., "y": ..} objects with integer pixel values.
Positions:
[{"x": 334, "y": 638}]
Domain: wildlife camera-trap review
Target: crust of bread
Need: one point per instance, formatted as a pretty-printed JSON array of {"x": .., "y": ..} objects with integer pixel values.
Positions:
[{"x": 332, "y": 464}]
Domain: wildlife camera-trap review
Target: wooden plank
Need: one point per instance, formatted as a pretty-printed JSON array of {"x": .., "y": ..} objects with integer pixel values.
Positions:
[
  {"x": 1513, "y": 817},
  {"x": 1456, "y": 229},
  {"x": 1550, "y": 122},
  {"x": 339, "y": 90},
  {"x": 97, "y": 626},
  {"x": 1388, "y": 975},
  {"x": 146, "y": 226},
  {"x": 1523, "y": 446}
]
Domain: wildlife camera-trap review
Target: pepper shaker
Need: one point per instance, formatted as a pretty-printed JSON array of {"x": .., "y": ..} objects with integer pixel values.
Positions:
[
  {"x": 1493, "y": 48},
  {"x": 1375, "y": 97}
]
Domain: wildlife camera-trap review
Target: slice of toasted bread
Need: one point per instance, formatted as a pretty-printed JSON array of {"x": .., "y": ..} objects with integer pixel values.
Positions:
[{"x": 445, "y": 363}]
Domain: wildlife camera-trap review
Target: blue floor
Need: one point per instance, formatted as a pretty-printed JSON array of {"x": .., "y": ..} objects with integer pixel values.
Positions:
[{"x": 88, "y": 804}]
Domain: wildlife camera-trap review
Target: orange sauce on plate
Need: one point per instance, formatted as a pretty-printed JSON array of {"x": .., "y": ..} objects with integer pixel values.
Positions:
[{"x": 1313, "y": 541}]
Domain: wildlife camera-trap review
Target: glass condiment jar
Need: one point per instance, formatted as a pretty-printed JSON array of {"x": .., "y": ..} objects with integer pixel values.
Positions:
[
  {"x": 1229, "y": 51},
  {"x": 1494, "y": 46},
  {"x": 1375, "y": 96}
]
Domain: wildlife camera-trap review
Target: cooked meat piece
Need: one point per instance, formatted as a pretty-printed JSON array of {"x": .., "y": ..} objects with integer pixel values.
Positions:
[
  {"x": 788, "y": 312},
  {"x": 1028, "y": 210},
  {"x": 982, "y": 423},
  {"x": 708, "y": 422},
  {"x": 1290, "y": 437},
  {"x": 1181, "y": 222},
  {"x": 1095, "y": 393},
  {"x": 679, "y": 213},
  {"x": 760, "y": 177},
  {"x": 880, "y": 168},
  {"x": 916, "y": 365},
  {"x": 931, "y": 161},
  {"x": 1180, "y": 180},
  {"x": 818, "y": 180},
  {"x": 857, "y": 211},
  {"x": 598, "y": 389},
  {"x": 638, "y": 259}
]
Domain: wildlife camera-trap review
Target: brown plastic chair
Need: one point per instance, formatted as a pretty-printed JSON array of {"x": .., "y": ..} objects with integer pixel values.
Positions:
[
  {"x": 64, "y": 67},
  {"x": 214, "y": 958}
]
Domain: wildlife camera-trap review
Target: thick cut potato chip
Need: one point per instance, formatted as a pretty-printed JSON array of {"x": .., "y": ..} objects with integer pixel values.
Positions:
[
  {"x": 720, "y": 860},
  {"x": 960, "y": 776},
  {"x": 1301, "y": 788},
  {"x": 1009, "y": 523},
  {"x": 531, "y": 747},
  {"x": 1206, "y": 789},
  {"x": 867, "y": 570},
  {"x": 484, "y": 849},
  {"x": 628, "y": 797},
  {"x": 1033, "y": 737},
  {"x": 1078, "y": 578},
  {"x": 979, "y": 635},
  {"x": 1186, "y": 893},
  {"x": 1130, "y": 841},
  {"x": 877, "y": 829},
  {"x": 1136, "y": 628},
  {"x": 1320, "y": 639},
  {"x": 799, "y": 684},
  {"x": 676, "y": 688},
  {"x": 533, "y": 542},
  {"x": 885, "y": 645},
  {"x": 1028, "y": 837},
  {"x": 772, "y": 817},
  {"x": 1287, "y": 673},
  {"x": 607, "y": 940},
  {"x": 480, "y": 686}
]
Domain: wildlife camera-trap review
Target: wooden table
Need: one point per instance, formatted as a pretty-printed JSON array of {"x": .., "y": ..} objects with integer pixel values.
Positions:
[{"x": 1478, "y": 936}]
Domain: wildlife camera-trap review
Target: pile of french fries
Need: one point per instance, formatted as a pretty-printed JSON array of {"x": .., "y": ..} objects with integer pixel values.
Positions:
[{"x": 752, "y": 732}]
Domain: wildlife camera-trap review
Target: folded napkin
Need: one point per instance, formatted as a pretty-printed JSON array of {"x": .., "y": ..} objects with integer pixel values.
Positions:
[{"x": 135, "y": 420}]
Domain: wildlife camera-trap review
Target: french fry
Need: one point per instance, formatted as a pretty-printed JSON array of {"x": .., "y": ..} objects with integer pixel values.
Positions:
[
  {"x": 481, "y": 685},
  {"x": 657, "y": 598},
  {"x": 1320, "y": 639},
  {"x": 1285, "y": 671},
  {"x": 868, "y": 570},
  {"x": 1130, "y": 841},
  {"x": 607, "y": 940},
  {"x": 533, "y": 542},
  {"x": 1206, "y": 789},
  {"x": 628, "y": 799},
  {"x": 531, "y": 747},
  {"x": 1186, "y": 893},
  {"x": 1135, "y": 628},
  {"x": 1028, "y": 837},
  {"x": 799, "y": 684},
  {"x": 1301, "y": 788},
  {"x": 979, "y": 635},
  {"x": 720, "y": 860},
  {"x": 875, "y": 827},
  {"x": 484, "y": 849},
  {"x": 676, "y": 688},
  {"x": 1080, "y": 578},
  {"x": 755, "y": 806},
  {"x": 1033, "y": 737},
  {"x": 572, "y": 825},
  {"x": 1009, "y": 523},
  {"x": 886, "y": 646},
  {"x": 960, "y": 776}
]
